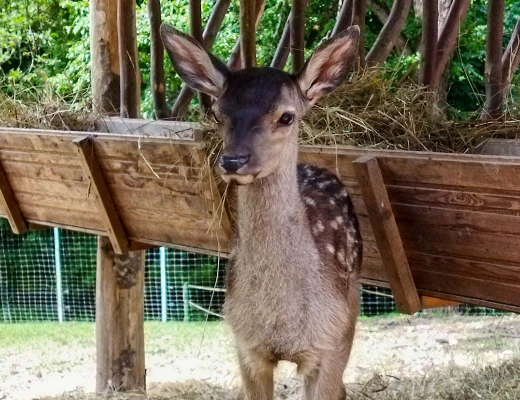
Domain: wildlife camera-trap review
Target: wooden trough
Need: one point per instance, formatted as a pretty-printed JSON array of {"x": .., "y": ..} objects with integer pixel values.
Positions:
[{"x": 434, "y": 225}]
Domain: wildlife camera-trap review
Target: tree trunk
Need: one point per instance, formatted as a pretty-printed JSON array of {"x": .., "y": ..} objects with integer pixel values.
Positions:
[
  {"x": 345, "y": 17},
  {"x": 297, "y": 34},
  {"x": 104, "y": 50},
  {"x": 359, "y": 11},
  {"x": 390, "y": 33},
  {"x": 511, "y": 58},
  {"x": 381, "y": 12}
]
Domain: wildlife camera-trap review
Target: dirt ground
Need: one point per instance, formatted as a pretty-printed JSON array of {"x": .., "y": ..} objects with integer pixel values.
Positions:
[{"x": 391, "y": 356}]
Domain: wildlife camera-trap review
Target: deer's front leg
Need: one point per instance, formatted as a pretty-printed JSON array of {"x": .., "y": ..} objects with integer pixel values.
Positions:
[{"x": 257, "y": 377}]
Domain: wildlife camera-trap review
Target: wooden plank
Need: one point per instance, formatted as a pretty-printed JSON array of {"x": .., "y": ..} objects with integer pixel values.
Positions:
[
  {"x": 494, "y": 272},
  {"x": 10, "y": 205},
  {"x": 467, "y": 287},
  {"x": 63, "y": 216},
  {"x": 458, "y": 220},
  {"x": 455, "y": 199},
  {"x": 107, "y": 210},
  {"x": 147, "y": 128},
  {"x": 434, "y": 302},
  {"x": 43, "y": 171},
  {"x": 462, "y": 244},
  {"x": 387, "y": 235}
]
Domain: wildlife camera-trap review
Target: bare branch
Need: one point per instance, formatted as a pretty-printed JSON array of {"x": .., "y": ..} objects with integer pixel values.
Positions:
[
  {"x": 284, "y": 46},
  {"x": 381, "y": 12},
  {"x": 390, "y": 33},
  {"x": 345, "y": 17},
  {"x": 297, "y": 35},
  {"x": 448, "y": 36},
  {"x": 511, "y": 57}
]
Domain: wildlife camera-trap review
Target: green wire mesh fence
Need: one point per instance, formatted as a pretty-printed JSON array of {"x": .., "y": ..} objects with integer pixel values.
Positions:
[{"x": 50, "y": 275}]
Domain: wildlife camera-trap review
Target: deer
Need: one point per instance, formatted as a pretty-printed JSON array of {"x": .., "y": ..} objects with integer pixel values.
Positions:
[{"x": 293, "y": 279}]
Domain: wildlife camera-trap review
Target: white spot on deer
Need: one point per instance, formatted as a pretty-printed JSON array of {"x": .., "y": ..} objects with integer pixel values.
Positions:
[
  {"x": 339, "y": 219},
  {"x": 332, "y": 202},
  {"x": 309, "y": 201},
  {"x": 319, "y": 226},
  {"x": 334, "y": 225},
  {"x": 341, "y": 256},
  {"x": 343, "y": 193},
  {"x": 330, "y": 249}
]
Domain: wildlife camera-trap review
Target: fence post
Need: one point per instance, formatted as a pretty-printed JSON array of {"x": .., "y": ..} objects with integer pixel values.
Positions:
[
  {"x": 164, "y": 292},
  {"x": 57, "y": 265},
  {"x": 186, "y": 300}
]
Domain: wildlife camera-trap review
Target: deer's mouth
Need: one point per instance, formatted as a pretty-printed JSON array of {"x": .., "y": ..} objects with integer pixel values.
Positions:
[{"x": 239, "y": 179}]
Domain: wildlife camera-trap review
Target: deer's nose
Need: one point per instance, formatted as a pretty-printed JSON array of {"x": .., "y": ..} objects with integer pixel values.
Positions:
[{"x": 232, "y": 164}]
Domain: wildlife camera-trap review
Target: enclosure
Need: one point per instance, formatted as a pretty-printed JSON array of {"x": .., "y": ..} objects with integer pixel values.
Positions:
[{"x": 439, "y": 228}]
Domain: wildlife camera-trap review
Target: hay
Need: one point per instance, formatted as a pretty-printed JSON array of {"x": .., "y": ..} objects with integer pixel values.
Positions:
[
  {"x": 38, "y": 108},
  {"x": 374, "y": 111}
]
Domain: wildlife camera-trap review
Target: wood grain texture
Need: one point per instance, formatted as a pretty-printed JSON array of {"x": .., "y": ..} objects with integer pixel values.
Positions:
[{"x": 387, "y": 235}]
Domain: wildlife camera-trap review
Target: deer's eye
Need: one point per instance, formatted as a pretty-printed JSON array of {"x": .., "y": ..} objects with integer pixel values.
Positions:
[{"x": 286, "y": 119}]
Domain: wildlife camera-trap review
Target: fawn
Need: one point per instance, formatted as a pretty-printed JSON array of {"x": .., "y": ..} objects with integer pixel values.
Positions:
[{"x": 293, "y": 278}]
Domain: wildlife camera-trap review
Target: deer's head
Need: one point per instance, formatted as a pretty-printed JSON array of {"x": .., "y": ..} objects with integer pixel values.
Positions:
[{"x": 259, "y": 109}]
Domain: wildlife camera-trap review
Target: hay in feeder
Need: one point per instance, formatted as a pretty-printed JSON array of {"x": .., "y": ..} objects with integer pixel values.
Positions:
[{"x": 374, "y": 111}]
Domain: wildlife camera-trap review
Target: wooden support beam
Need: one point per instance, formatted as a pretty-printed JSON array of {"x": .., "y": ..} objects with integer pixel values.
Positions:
[
  {"x": 429, "y": 41},
  {"x": 10, "y": 206},
  {"x": 107, "y": 209},
  {"x": 386, "y": 234},
  {"x": 119, "y": 320}
]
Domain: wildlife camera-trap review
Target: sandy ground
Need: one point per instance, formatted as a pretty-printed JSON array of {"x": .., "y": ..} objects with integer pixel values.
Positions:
[{"x": 195, "y": 361}]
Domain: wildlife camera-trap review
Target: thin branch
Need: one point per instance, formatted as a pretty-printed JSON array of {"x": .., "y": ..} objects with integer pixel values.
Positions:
[
  {"x": 381, "y": 13},
  {"x": 282, "y": 51},
  {"x": 248, "y": 33},
  {"x": 359, "y": 10},
  {"x": 390, "y": 33},
  {"x": 511, "y": 57}
]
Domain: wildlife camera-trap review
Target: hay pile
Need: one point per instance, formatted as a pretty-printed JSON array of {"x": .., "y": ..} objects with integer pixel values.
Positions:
[
  {"x": 375, "y": 111},
  {"x": 44, "y": 109}
]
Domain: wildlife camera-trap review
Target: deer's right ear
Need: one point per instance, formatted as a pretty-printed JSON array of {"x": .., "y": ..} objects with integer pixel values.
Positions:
[{"x": 199, "y": 69}]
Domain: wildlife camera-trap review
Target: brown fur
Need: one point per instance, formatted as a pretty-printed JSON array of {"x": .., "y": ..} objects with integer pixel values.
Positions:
[{"x": 293, "y": 280}]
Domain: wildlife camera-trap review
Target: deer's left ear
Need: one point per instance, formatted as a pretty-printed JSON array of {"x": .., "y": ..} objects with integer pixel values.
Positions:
[
  {"x": 200, "y": 70},
  {"x": 328, "y": 66}
]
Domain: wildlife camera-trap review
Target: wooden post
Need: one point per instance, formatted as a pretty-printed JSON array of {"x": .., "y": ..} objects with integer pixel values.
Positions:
[
  {"x": 196, "y": 33},
  {"x": 511, "y": 58},
  {"x": 493, "y": 72},
  {"x": 104, "y": 51},
  {"x": 386, "y": 234},
  {"x": 128, "y": 59},
  {"x": 120, "y": 278},
  {"x": 248, "y": 32},
  {"x": 157, "y": 60},
  {"x": 430, "y": 27},
  {"x": 297, "y": 35},
  {"x": 119, "y": 320},
  {"x": 359, "y": 10}
]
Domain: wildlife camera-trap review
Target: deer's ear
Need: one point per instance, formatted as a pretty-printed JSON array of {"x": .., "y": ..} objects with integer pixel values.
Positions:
[
  {"x": 328, "y": 66},
  {"x": 199, "y": 69}
]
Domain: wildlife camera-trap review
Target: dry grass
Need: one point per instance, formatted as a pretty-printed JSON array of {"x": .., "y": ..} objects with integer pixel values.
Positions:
[
  {"x": 489, "y": 383},
  {"x": 375, "y": 111},
  {"x": 42, "y": 108}
]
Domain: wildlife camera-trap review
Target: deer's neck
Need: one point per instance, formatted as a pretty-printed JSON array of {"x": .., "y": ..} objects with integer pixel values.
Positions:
[{"x": 272, "y": 221}]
